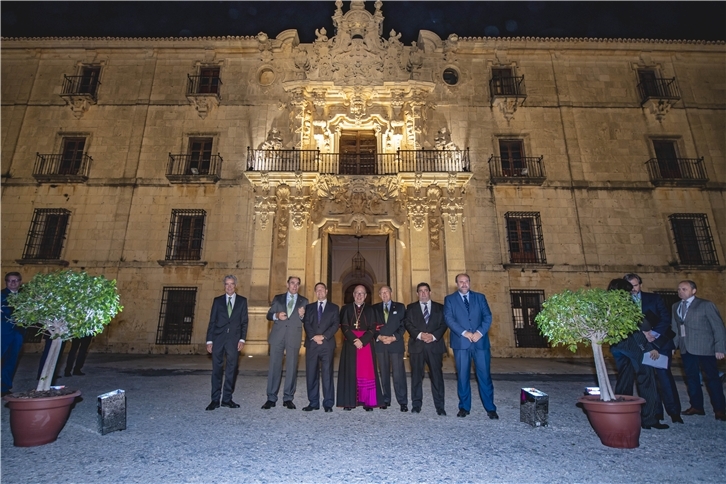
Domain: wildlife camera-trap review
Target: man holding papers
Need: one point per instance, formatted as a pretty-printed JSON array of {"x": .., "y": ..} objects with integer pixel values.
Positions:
[{"x": 661, "y": 337}]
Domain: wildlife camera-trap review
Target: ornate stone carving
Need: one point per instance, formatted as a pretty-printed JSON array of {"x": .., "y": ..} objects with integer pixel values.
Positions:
[
  {"x": 508, "y": 106},
  {"x": 79, "y": 104},
  {"x": 452, "y": 206},
  {"x": 659, "y": 107},
  {"x": 283, "y": 214},
  {"x": 203, "y": 104},
  {"x": 265, "y": 47},
  {"x": 264, "y": 203},
  {"x": 442, "y": 141}
]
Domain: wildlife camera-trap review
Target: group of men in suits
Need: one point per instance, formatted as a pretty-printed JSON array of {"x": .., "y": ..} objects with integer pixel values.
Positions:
[
  {"x": 373, "y": 347},
  {"x": 694, "y": 326}
]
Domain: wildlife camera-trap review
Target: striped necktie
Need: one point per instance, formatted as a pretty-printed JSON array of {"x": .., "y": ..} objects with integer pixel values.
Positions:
[
  {"x": 426, "y": 313},
  {"x": 290, "y": 305},
  {"x": 466, "y": 302}
]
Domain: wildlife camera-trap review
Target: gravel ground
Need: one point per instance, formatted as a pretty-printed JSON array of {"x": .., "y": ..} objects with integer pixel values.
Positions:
[{"x": 170, "y": 438}]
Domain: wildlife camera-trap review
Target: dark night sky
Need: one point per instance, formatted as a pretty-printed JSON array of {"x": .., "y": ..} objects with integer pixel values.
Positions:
[{"x": 654, "y": 20}]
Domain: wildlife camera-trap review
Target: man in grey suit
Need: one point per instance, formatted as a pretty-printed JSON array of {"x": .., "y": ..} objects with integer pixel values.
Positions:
[
  {"x": 286, "y": 312},
  {"x": 701, "y": 337},
  {"x": 469, "y": 318},
  {"x": 226, "y": 335},
  {"x": 321, "y": 322},
  {"x": 389, "y": 348}
]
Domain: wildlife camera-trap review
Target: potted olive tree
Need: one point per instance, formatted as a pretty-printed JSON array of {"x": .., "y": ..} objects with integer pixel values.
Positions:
[
  {"x": 593, "y": 317},
  {"x": 65, "y": 305}
]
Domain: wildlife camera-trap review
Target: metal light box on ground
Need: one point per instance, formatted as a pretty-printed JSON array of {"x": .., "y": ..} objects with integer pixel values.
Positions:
[
  {"x": 112, "y": 411},
  {"x": 534, "y": 407}
]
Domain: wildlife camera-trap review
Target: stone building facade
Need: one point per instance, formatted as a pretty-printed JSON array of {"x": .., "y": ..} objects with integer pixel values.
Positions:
[{"x": 532, "y": 164}]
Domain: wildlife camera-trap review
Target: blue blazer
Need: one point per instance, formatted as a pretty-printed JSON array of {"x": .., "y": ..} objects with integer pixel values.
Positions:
[{"x": 479, "y": 318}]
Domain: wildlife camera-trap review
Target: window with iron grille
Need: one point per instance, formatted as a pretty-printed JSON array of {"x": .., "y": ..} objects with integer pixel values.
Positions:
[
  {"x": 503, "y": 82},
  {"x": 72, "y": 156},
  {"x": 89, "y": 79},
  {"x": 186, "y": 231},
  {"x": 669, "y": 298},
  {"x": 526, "y": 304},
  {"x": 46, "y": 234},
  {"x": 176, "y": 316},
  {"x": 512, "y": 154},
  {"x": 208, "y": 80},
  {"x": 524, "y": 236},
  {"x": 693, "y": 239},
  {"x": 200, "y": 155}
]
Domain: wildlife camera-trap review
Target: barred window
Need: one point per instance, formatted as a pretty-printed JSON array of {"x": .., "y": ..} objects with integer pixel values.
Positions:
[
  {"x": 524, "y": 237},
  {"x": 693, "y": 239},
  {"x": 46, "y": 234},
  {"x": 176, "y": 317},
  {"x": 186, "y": 231},
  {"x": 669, "y": 298},
  {"x": 526, "y": 304}
]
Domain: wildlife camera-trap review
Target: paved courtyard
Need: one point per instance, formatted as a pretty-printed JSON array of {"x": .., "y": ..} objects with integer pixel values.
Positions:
[{"x": 170, "y": 438}]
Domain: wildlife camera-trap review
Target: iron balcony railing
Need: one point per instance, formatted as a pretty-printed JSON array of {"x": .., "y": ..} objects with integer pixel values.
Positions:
[
  {"x": 194, "y": 167},
  {"x": 677, "y": 170},
  {"x": 659, "y": 88},
  {"x": 512, "y": 86},
  {"x": 204, "y": 85},
  {"x": 57, "y": 167},
  {"x": 528, "y": 168},
  {"x": 80, "y": 85},
  {"x": 359, "y": 163}
]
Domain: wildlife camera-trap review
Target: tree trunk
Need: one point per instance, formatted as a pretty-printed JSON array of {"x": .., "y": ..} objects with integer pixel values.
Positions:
[
  {"x": 46, "y": 376},
  {"x": 606, "y": 391}
]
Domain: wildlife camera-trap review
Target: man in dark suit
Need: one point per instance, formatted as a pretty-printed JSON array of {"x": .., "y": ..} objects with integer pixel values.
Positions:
[
  {"x": 425, "y": 324},
  {"x": 469, "y": 318},
  {"x": 389, "y": 348},
  {"x": 321, "y": 322},
  {"x": 12, "y": 336},
  {"x": 286, "y": 313},
  {"x": 701, "y": 337},
  {"x": 661, "y": 337},
  {"x": 628, "y": 354},
  {"x": 226, "y": 335}
]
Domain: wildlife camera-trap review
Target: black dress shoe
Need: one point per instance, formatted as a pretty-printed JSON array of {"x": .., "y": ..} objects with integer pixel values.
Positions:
[
  {"x": 462, "y": 413},
  {"x": 213, "y": 405},
  {"x": 68, "y": 373},
  {"x": 441, "y": 412},
  {"x": 416, "y": 410},
  {"x": 384, "y": 406},
  {"x": 230, "y": 404},
  {"x": 720, "y": 416},
  {"x": 328, "y": 409},
  {"x": 310, "y": 408},
  {"x": 347, "y": 409},
  {"x": 78, "y": 373},
  {"x": 289, "y": 404},
  {"x": 268, "y": 405},
  {"x": 404, "y": 408},
  {"x": 493, "y": 415},
  {"x": 676, "y": 419},
  {"x": 693, "y": 411},
  {"x": 659, "y": 416},
  {"x": 659, "y": 426},
  {"x": 368, "y": 409}
]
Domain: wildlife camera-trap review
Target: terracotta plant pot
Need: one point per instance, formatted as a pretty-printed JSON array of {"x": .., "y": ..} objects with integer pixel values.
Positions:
[
  {"x": 38, "y": 421},
  {"x": 616, "y": 422}
]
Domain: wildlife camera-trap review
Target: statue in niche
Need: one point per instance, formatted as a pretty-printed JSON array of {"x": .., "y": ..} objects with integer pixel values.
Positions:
[
  {"x": 273, "y": 141},
  {"x": 442, "y": 141}
]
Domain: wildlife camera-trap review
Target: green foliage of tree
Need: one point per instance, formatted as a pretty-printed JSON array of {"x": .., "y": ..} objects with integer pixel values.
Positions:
[
  {"x": 589, "y": 316},
  {"x": 65, "y": 304}
]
